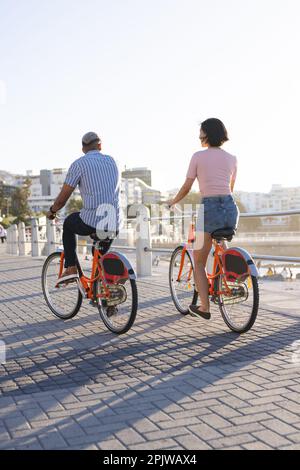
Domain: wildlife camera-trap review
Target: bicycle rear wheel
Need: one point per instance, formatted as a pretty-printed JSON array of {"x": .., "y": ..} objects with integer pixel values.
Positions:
[
  {"x": 239, "y": 310},
  {"x": 182, "y": 289},
  {"x": 119, "y": 314},
  {"x": 64, "y": 302}
]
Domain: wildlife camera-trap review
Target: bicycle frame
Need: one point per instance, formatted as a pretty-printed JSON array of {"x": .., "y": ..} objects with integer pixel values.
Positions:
[
  {"x": 86, "y": 282},
  {"x": 218, "y": 270}
]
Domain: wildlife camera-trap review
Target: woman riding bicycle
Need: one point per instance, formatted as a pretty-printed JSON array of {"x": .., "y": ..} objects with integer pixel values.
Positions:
[{"x": 216, "y": 172}]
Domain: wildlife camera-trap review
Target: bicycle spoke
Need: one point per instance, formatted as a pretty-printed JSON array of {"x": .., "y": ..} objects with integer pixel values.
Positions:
[
  {"x": 181, "y": 280},
  {"x": 239, "y": 309},
  {"x": 63, "y": 301}
]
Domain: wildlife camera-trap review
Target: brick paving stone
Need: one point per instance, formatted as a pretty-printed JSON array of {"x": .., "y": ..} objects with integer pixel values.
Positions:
[
  {"x": 243, "y": 429},
  {"x": 145, "y": 426},
  {"x": 163, "y": 444},
  {"x": 271, "y": 438},
  {"x": 192, "y": 442},
  {"x": 129, "y": 437},
  {"x": 52, "y": 440},
  {"x": 178, "y": 422},
  {"x": 215, "y": 421},
  {"x": 285, "y": 416},
  {"x": 204, "y": 431},
  {"x": 170, "y": 382},
  {"x": 279, "y": 427},
  {"x": 225, "y": 411},
  {"x": 232, "y": 441},
  {"x": 163, "y": 434},
  {"x": 241, "y": 420},
  {"x": 256, "y": 446},
  {"x": 112, "y": 444}
]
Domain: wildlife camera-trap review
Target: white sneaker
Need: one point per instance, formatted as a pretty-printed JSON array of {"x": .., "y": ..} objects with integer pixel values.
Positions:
[{"x": 67, "y": 279}]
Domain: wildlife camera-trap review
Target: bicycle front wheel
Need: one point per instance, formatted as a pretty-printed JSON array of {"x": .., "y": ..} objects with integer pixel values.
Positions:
[
  {"x": 119, "y": 312},
  {"x": 239, "y": 310},
  {"x": 181, "y": 280},
  {"x": 64, "y": 302}
]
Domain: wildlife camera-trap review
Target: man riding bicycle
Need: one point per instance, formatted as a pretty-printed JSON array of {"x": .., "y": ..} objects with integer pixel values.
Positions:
[{"x": 98, "y": 179}]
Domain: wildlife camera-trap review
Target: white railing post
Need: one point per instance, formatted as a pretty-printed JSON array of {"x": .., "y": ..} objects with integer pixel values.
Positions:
[
  {"x": 22, "y": 238},
  {"x": 143, "y": 240},
  {"x": 51, "y": 236},
  {"x": 8, "y": 241},
  {"x": 14, "y": 240},
  {"x": 35, "y": 246}
]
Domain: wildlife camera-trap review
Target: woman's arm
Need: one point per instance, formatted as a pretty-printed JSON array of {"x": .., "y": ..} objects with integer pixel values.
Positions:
[{"x": 185, "y": 189}]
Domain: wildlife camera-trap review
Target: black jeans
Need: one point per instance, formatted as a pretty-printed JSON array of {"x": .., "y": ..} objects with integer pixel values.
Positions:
[{"x": 73, "y": 225}]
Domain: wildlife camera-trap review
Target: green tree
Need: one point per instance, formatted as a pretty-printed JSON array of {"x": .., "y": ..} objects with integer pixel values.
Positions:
[
  {"x": 20, "y": 207},
  {"x": 74, "y": 205},
  {"x": 192, "y": 198}
]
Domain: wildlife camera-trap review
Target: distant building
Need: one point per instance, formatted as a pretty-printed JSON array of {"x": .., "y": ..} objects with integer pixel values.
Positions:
[
  {"x": 143, "y": 174},
  {"x": 6, "y": 190},
  {"x": 135, "y": 191},
  {"x": 279, "y": 199},
  {"x": 131, "y": 192},
  {"x": 45, "y": 187}
]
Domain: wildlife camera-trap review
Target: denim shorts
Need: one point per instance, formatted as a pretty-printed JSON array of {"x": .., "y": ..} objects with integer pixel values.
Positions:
[{"x": 217, "y": 212}]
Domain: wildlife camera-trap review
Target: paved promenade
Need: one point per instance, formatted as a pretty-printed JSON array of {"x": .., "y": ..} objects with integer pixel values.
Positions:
[{"x": 172, "y": 382}]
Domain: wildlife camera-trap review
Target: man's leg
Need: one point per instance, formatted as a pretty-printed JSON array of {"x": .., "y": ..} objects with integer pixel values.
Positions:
[{"x": 73, "y": 226}]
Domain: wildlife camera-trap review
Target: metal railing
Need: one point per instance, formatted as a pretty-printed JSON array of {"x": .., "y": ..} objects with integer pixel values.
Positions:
[{"x": 42, "y": 240}]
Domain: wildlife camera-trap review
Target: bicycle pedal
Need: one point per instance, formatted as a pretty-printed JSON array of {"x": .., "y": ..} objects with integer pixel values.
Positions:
[{"x": 214, "y": 299}]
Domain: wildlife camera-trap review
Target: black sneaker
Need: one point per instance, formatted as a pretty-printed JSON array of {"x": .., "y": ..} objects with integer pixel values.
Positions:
[{"x": 195, "y": 312}]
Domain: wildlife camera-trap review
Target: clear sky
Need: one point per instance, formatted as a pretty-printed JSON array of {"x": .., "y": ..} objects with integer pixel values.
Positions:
[{"x": 144, "y": 74}]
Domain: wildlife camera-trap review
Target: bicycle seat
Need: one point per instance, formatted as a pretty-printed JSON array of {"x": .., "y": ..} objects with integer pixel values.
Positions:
[
  {"x": 94, "y": 237},
  {"x": 109, "y": 236},
  {"x": 226, "y": 233}
]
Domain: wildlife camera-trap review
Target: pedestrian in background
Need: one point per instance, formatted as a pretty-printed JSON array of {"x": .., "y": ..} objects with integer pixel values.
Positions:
[{"x": 3, "y": 234}]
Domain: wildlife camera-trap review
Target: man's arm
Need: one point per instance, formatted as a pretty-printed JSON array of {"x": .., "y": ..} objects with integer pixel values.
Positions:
[{"x": 61, "y": 200}]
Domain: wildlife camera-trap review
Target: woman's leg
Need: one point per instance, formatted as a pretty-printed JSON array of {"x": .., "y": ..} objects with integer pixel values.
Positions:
[{"x": 200, "y": 259}]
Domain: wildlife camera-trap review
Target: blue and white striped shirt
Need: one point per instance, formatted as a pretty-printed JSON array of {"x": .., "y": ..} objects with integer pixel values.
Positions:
[{"x": 98, "y": 178}]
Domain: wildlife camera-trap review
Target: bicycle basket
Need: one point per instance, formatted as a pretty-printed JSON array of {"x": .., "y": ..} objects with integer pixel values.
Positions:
[
  {"x": 115, "y": 270},
  {"x": 235, "y": 266}
]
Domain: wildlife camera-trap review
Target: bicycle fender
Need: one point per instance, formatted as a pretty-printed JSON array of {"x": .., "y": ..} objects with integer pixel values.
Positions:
[
  {"x": 249, "y": 260},
  {"x": 126, "y": 262}
]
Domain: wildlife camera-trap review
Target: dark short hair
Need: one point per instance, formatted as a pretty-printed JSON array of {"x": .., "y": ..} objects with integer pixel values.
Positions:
[
  {"x": 91, "y": 146},
  {"x": 215, "y": 131}
]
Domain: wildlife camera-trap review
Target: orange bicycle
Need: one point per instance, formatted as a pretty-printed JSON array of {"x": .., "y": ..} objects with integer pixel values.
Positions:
[
  {"x": 111, "y": 287},
  {"x": 233, "y": 283}
]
